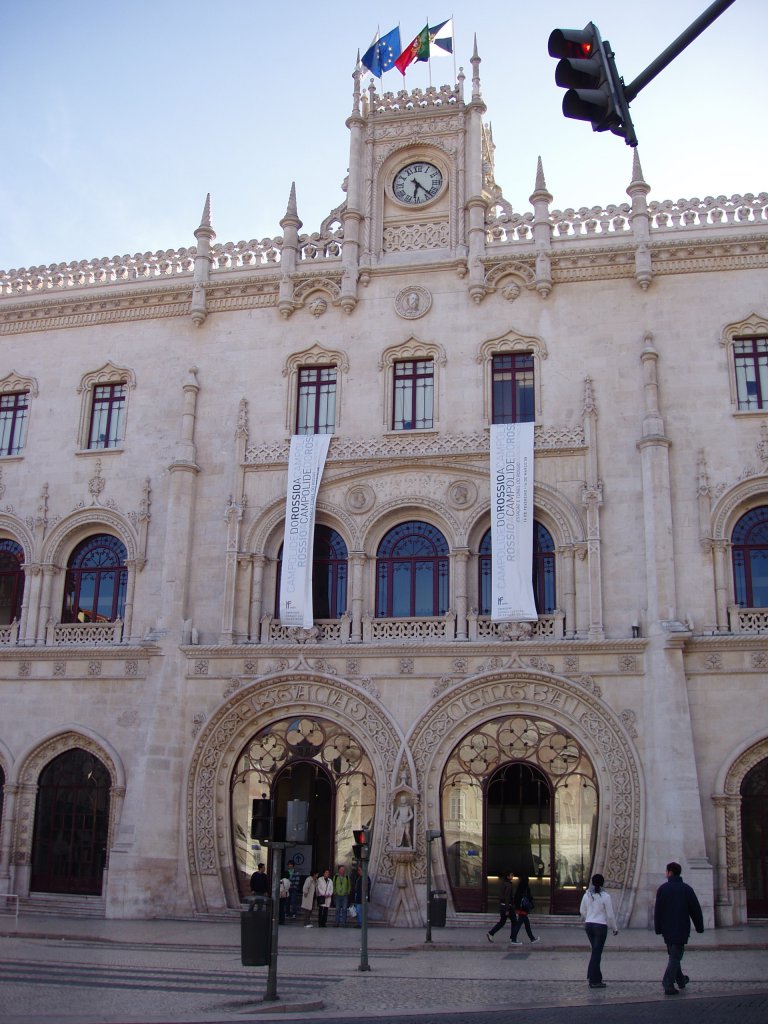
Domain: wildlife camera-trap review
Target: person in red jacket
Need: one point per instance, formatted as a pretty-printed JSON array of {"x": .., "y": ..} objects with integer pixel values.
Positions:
[{"x": 676, "y": 906}]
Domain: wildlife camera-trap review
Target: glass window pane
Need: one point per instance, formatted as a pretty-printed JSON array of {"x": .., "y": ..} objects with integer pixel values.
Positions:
[
  {"x": 401, "y": 589},
  {"x": 758, "y": 564},
  {"x": 424, "y": 588}
]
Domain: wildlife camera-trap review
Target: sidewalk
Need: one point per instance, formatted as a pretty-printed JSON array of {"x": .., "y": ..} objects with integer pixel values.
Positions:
[
  {"x": 86, "y": 971},
  {"x": 220, "y": 934}
]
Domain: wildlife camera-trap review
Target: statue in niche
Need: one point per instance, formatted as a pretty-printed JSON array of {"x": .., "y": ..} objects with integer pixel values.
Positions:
[{"x": 402, "y": 822}]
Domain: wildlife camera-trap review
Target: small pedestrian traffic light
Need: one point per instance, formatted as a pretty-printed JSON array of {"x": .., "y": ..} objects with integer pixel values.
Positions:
[
  {"x": 586, "y": 68},
  {"x": 361, "y": 847}
]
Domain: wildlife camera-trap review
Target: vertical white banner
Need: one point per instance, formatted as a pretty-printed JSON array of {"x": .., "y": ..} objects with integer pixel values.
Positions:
[
  {"x": 512, "y": 522},
  {"x": 305, "y": 468}
]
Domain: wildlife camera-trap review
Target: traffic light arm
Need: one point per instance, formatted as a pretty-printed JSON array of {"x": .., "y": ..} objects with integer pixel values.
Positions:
[{"x": 676, "y": 48}]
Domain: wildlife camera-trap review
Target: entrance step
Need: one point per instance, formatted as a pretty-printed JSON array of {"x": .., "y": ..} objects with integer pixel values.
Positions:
[
  {"x": 464, "y": 920},
  {"x": 62, "y": 905}
]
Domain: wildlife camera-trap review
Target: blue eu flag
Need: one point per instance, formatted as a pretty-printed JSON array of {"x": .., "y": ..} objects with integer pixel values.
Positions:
[{"x": 383, "y": 54}]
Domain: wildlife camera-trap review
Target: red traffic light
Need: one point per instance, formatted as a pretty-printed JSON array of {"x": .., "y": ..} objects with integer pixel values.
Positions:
[
  {"x": 361, "y": 836},
  {"x": 572, "y": 43}
]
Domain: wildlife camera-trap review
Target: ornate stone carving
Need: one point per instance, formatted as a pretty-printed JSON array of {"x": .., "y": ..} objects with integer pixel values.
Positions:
[
  {"x": 590, "y": 721},
  {"x": 209, "y": 841},
  {"x": 413, "y": 302},
  {"x": 360, "y": 498},
  {"x": 461, "y": 494}
]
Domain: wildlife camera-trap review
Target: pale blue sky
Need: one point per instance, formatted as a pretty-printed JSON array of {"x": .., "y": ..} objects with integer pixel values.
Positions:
[{"x": 118, "y": 119}]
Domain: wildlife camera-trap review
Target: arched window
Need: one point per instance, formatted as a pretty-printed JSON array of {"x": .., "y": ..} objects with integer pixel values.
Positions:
[
  {"x": 750, "y": 559},
  {"x": 544, "y": 590},
  {"x": 94, "y": 590},
  {"x": 11, "y": 581},
  {"x": 412, "y": 572},
  {"x": 329, "y": 575}
]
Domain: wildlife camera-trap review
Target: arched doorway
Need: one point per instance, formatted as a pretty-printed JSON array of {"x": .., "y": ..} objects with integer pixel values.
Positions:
[
  {"x": 320, "y": 783},
  {"x": 754, "y": 838},
  {"x": 519, "y": 794},
  {"x": 69, "y": 845}
]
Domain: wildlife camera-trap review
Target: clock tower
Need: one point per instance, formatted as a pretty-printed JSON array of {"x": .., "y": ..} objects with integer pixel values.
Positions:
[{"x": 420, "y": 177}]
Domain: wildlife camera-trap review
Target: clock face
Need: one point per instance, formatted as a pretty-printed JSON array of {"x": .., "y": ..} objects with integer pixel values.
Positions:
[{"x": 417, "y": 183}]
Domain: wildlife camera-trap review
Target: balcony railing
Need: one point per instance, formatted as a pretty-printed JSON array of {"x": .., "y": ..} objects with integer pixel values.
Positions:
[
  {"x": 748, "y": 620},
  {"x": 10, "y": 634},
  {"x": 546, "y": 627},
  {"x": 84, "y": 634}
]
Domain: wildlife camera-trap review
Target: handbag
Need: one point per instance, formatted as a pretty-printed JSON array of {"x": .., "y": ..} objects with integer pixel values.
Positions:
[{"x": 526, "y": 904}]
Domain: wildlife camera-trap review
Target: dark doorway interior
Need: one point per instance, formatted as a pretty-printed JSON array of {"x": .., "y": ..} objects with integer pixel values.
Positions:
[
  {"x": 308, "y": 781},
  {"x": 69, "y": 846},
  {"x": 754, "y": 838},
  {"x": 519, "y": 830}
]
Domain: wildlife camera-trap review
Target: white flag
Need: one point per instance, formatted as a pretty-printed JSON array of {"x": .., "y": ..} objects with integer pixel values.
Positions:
[
  {"x": 305, "y": 468},
  {"x": 512, "y": 522}
]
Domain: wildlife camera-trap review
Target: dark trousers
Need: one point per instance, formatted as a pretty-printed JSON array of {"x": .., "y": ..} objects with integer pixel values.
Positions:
[
  {"x": 521, "y": 920},
  {"x": 597, "y": 934},
  {"x": 674, "y": 972},
  {"x": 502, "y": 920}
]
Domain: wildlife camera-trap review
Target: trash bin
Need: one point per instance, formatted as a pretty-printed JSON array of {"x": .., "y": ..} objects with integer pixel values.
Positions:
[
  {"x": 438, "y": 905},
  {"x": 256, "y": 932}
]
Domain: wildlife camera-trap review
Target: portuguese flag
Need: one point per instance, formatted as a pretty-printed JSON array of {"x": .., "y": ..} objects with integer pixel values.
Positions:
[{"x": 416, "y": 50}]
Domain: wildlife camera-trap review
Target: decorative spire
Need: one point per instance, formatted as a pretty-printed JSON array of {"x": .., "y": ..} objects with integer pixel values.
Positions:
[
  {"x": 638, "y": 182},
  {"x": 205, "y": 230},
  {"x": 475, "y": 62},
  {"x": 291, "y": 217},
  {"x": 541, "y": 185}
]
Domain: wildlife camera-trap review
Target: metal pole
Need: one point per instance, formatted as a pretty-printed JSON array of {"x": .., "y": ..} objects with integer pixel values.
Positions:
[
  {"x": 364, "y": 965},
  {"x": 676, "y": 48},
  {"x": 429, "y": 888},
  {"x": 276, "y": 850}
]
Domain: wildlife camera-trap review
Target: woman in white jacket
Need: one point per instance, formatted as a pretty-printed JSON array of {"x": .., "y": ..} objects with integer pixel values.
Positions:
[{"x": 597, "y": 913}]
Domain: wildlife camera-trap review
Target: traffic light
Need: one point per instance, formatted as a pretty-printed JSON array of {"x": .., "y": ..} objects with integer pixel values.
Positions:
[
  {"x": 362, "y": 843},
  {"x": 261, "y": 820},
  {"x": 586, "y": 68}
]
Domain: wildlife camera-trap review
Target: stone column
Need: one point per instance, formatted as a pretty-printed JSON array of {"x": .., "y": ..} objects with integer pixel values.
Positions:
[
  {"x": 10, "y": 792},
  {"x": 257, "y": 598},
  {"x": 567, "y": 588},
  {"x": 675, "y": 827},
  {"x": 357, "y": 560},
  {"x": 460, "y": 562},
  {"x": 720, "y": 552},
  {"x": 49, "y": 571}
]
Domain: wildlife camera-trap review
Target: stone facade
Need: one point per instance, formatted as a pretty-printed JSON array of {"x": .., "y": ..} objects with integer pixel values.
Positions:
[{"x": 644, "y": 462}]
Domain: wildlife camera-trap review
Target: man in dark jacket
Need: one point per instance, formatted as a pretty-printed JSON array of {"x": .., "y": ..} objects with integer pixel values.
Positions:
[{"x": 676, "y": 907}]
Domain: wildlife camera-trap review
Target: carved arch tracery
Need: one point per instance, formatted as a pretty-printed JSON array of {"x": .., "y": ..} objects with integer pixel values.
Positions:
[
  {"x": 300, "y": 690},
  {"x": 513, "y": 688}
]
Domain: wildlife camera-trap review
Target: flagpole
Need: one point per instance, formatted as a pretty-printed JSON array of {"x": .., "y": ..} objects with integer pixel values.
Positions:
[
  {"x": 453, "y": 47},
  {"x": 429, "y": 54}
]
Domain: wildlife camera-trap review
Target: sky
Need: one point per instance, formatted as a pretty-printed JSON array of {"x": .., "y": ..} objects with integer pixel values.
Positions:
[{"x": 117, "y": 119}]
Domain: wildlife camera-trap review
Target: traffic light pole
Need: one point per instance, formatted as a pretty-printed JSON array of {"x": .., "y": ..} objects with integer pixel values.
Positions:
[
  {"x": 676, "y": 48},
  {"x": 275, "y": 850},
  {"x": 432, "y": 834},
  {"x": 364, "y": 965}
]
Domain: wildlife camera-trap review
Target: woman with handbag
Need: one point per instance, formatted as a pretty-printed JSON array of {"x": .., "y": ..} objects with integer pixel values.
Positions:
[{"x": 523, "y": 904}]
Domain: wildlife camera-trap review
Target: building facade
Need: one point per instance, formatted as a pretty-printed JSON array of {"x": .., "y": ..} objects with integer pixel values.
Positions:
[{"x": 150, "y": 695}]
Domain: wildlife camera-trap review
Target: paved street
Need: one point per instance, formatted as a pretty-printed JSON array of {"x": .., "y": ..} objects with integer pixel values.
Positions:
[{"x": 147, "y": 972}]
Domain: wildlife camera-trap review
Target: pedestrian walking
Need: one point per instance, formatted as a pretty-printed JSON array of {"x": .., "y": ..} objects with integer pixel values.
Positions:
[
  {"x": 308, "y": 893},
  {"x": 597, "y": 913},
  {"x": 324, "y": 897},
  {"x": 676, "y": 906},
  {"x": 523, "y": 905},
  {"x": 506, "y": 905},
  {"x": 342, "y": 887}
]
